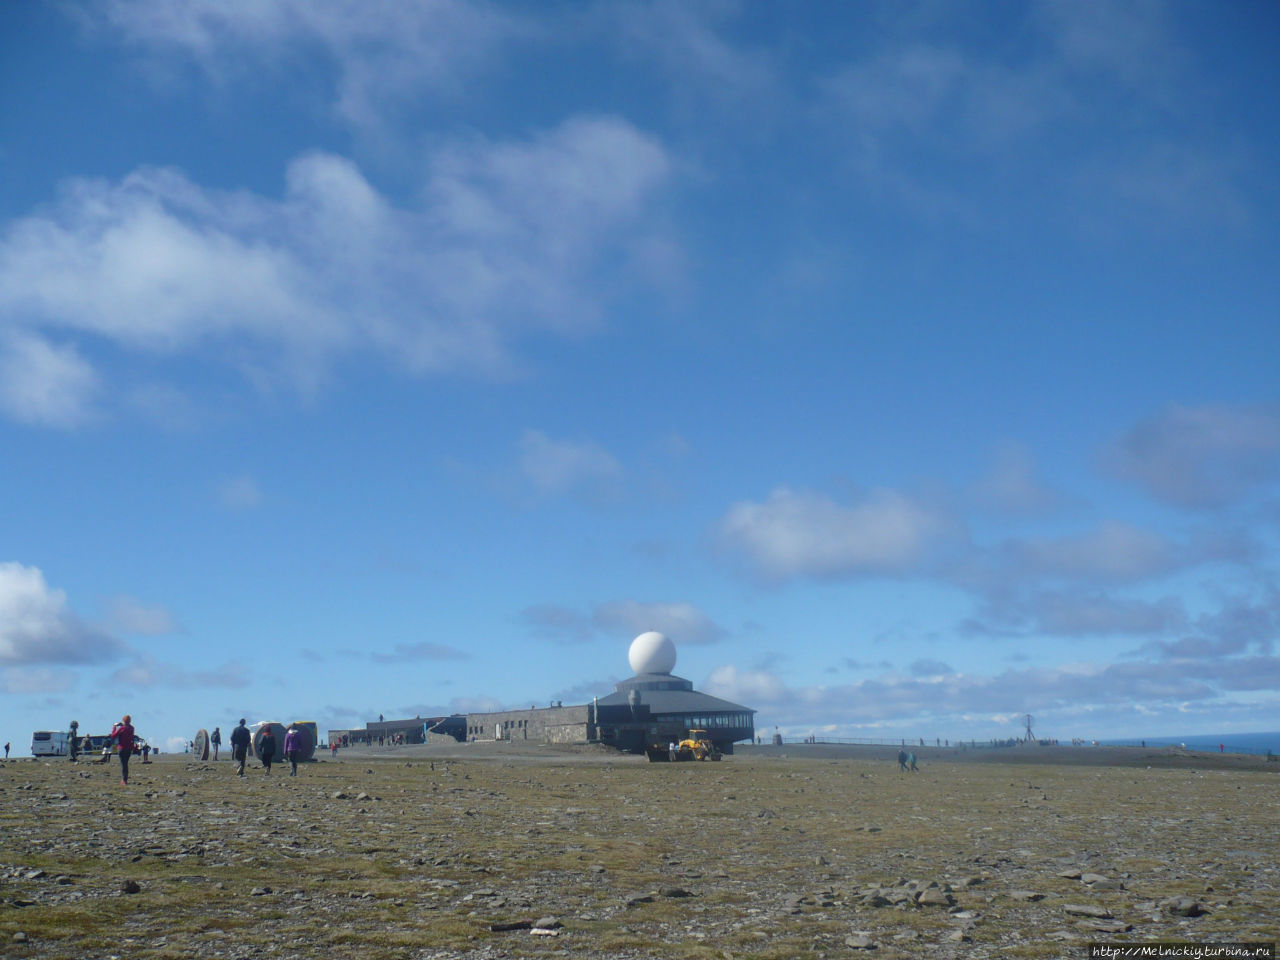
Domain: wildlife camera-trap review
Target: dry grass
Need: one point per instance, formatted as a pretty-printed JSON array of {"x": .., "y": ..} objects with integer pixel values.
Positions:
[{"x": 776, "y": 855}]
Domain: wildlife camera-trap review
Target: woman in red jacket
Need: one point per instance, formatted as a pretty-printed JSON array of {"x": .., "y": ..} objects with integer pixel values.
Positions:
[{"x": 122, "y": 734}]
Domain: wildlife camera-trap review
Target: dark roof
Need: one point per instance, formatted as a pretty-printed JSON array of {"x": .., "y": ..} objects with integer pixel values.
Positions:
[{"x": 665, "y": 693}]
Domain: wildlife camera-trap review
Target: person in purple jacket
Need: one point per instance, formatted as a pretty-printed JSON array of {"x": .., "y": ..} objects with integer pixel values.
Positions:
[{"x": 293, "y": 748}]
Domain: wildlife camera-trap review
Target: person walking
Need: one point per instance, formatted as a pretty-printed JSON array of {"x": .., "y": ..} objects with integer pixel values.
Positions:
[
  {"x": 911, "y": 762},
  {"x": 122, "y": 734},
  {"x": 293, "y": 748},
  {"x": 240, "y": 746},
  {"x": 902, "y": 760},
  {"x": 216, "y": 741},
  {"x": 267, "y": 748}
]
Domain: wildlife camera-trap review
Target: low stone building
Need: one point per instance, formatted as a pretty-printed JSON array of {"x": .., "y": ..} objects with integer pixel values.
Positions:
[{"x": 652, "y": 707}]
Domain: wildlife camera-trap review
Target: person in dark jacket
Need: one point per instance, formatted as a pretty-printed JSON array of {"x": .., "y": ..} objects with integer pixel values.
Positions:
[
  {"x": 122, "y": 734},
  {"x": 216, "y": 741},
  {"x": 240, "y": 746},
  {"x": 267, "y": 748}
]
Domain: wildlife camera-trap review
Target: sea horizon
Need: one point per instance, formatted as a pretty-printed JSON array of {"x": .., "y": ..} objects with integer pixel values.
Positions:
[{"x": 1251, "y": 743}]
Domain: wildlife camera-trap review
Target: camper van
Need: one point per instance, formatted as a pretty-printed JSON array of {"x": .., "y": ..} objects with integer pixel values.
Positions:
[{"x": 49, "y": 743}]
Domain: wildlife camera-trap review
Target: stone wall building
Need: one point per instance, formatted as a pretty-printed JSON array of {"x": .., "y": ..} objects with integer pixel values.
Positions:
[{"x": 652, "y": 707}]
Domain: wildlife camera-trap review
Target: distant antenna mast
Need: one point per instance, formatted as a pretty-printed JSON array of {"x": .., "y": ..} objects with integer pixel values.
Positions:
[{"x": 1027, "y": 721}]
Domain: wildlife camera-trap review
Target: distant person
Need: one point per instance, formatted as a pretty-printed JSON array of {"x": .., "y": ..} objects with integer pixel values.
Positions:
[
  {"x": 240, "y": 740},
  {"x": 216, "y": 741},
  {"x": 122, "y": 734},
  {"x": 146, "y": 753},
  {"x": 1222, "y": 747},
  {"x": 333, "y": 748},
  {"x": 673, "y": 752},
  {"x": 293, "y": 748},
  {"x": 6, "y": 749},
  {"x": 902, "y": 760},
  {"x": 911, "y": 762},
  {"x": 267, "y": 748}
]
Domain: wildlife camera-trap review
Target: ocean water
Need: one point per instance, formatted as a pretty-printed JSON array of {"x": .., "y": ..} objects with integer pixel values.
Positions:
[{"x": 1258, "y": 743}]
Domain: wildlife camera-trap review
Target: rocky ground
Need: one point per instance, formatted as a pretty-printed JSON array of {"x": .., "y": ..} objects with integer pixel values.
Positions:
[{"x": 766, "y": 854}]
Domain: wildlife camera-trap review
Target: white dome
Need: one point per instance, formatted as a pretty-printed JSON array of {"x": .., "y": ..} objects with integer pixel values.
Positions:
[{"x": 652, "y": 652}]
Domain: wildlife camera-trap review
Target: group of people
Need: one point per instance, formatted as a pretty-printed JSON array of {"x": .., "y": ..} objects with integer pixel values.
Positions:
[
  {"x": 907, "y": 761},
  {"x": 125, "y": 739},
  {"x": 242, "y": 740}
]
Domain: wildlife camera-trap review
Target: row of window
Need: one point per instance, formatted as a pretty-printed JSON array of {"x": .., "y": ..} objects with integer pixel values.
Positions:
[
  {"x": 710, "y": 721},
  {"x": 480, "y": 729}
]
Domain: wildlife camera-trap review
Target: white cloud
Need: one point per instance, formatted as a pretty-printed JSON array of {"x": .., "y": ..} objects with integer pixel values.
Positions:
[
  {"x": 796, "y": 534},
  {"x": 129, "y": 615},
  {"x": 562, "y": 466},
  {"x": 1114, "y": 552},
  {"x": 931, "y": 668},
  {"x": 384, "y": 52},
  {"x": 1201, "y": 456},
  {"x": 1012, "y": 486},
  {"x": 148, "y": 672},
  {"x": 687, "y": 42},
  {"x": 748, "y": 687},
  {"x": 1068, "y": 700},
  {"x": 1077, "y": 614},
  {"x": 33, "y": 680},
  {"x": 45, "y": 384},
  {"x": 682, "y": 622},
  {"x": 38, "y": 626},
  {"x": 507, "y": 239}
]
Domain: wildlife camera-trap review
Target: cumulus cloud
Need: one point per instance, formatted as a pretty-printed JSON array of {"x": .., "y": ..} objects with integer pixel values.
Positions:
[
  {"x": 34, "y": 680},
  {"x": 563, "y": 466},
  {"x": 930, "y": 668},
  {"x": 1114, "y": 552},
  {"x": 507, "y": 239},
  {"x": 45, "y": 384},
  {"x": 687, "y": 42},
  {"x": 683, "y": 622},
  {"x": 146, "y": 671},
  {"x": 1200, "y": 457},
  {"x": 1012, "y": 486},
  {"x": 383, "y": 52},
  {"x": 749, "y": 687},
  {"x": 130, "y": 615},
  {"x": 38, "y": 626},
  {"x": 1084, "y": 613},
  {"x": 1110, "y": 554},
  {"x": 799, "y": 533},
  {"x": 1084, "y": 695}
]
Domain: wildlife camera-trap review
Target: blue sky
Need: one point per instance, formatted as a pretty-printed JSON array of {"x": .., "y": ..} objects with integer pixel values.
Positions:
[{"x": 912, "y": 367}]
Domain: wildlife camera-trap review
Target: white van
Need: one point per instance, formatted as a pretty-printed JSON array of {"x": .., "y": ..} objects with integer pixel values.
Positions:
[{"x": 49, "y": 743}]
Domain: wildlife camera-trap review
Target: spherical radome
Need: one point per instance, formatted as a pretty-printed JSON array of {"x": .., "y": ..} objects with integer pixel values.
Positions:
[{"x": 652, "y": 652}]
